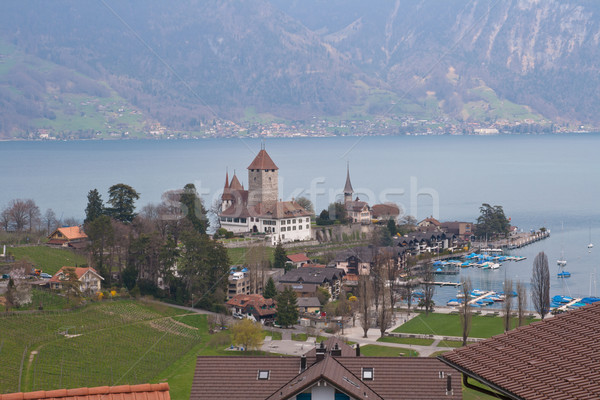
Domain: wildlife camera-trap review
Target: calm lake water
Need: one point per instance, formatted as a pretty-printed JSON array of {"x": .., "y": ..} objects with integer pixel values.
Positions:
[{"x": 539, "y": 180}]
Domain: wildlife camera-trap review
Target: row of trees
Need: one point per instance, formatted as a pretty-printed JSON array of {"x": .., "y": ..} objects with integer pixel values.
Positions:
[{"x": 163, "y": 250}]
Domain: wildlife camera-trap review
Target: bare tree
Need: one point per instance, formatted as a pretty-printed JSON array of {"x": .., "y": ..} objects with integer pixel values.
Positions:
[
  {"x": 465, "y": 309},
  {"x": 540, "y": 284},
  {"x": 392, "y": 272},
  {"x": 365, "y": 294},
  {"x": 428, "y": 287},
  {"x": 385, "y": 314},
  {"x": 507, "y": 307},
  {"x": 5, "y": 219},
  {"x": 33, "y": 214},
  {"x": 18, "y": 214},
  {"x": 521, "y": 302},
  {"x": 50, "y": 221},
  {"x": 258, "y": 263}
]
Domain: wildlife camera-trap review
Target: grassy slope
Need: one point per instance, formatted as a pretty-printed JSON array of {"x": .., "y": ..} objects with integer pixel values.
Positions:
[
  {"x": 49, "y": 259},
  {"x": 74, "y": 111},
  {"x": 449, "y": 325}
]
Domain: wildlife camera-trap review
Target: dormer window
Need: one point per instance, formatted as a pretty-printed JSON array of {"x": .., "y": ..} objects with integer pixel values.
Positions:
[
  {"x": 263, "y": 374},
  {"x": 367, "y": 374}
]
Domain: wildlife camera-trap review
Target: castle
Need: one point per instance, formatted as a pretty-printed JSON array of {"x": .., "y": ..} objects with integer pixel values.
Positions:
[{"x": 258, "y": 209}]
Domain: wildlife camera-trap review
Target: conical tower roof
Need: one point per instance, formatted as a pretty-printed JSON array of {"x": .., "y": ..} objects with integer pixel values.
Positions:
[
  {"x": 226, "y": 180},
  {"x": 262, "y": 161},
  {"x": 235, "y": 183},
  {"x": 348, "y": 186}
]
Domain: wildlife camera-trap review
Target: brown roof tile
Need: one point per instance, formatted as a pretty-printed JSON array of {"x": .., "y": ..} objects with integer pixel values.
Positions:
[
  {"x": 262, "y": 161},
  {"x": 557, "y": 358},
  {"x": 79, "y": 271},
  {"x": 159, "y": 391}
]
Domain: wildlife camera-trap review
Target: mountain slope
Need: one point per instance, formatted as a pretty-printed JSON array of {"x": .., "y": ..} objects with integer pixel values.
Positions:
[{"x": 189, "y": 62}]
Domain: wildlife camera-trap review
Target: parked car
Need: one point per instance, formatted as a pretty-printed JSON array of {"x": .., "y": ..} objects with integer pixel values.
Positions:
[{"x": 45, "y": 275}]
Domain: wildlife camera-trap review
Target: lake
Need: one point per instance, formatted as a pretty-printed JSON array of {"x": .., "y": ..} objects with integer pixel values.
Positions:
[{"x": 539, "y": 180}]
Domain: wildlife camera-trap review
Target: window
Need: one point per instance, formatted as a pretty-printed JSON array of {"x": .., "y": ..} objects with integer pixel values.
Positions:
[
  {"x": 307, "y": 226},
  {"x": 294, "y": 228},
  {"x": 307, "y": 219},
  {"x": 367, "y": 374},
  {"x": 263, "y": 374},
  {"x": 283, "y": 222},
  {"x": 293, "y": 221},
  {"x": 300, "y": 227}
]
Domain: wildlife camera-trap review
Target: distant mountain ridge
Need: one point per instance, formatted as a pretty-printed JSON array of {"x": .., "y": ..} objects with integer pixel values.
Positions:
[{"x": 188, "y": 62}]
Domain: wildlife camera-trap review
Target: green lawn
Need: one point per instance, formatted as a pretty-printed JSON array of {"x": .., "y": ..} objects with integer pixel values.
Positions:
[
  {"x": 373, "y": 350},
  {"x": 48, "y": 259},
  {"x": 300, "y": 337},
  {"x": 449, "y": 325},
  {"x": 415, "y": 341}
]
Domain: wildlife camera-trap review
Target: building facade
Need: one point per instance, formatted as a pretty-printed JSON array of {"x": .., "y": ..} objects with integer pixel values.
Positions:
[{"x": 257, "y": 210}]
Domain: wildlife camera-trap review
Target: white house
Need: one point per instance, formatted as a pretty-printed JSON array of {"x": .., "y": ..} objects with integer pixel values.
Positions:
[{"x": 89, "y": 279}]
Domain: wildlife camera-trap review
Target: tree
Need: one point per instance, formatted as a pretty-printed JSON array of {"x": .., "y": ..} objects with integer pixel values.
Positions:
[
  {"x": 540, "y": 285},
  {"x": 50, "y": 221},
  {"x": 71, "y": 284},
  {"x": 491, "y": 222},
  {"x": 385, "y": 315},
  {"x": 258, "y": 263},
  {"x": 101, "y": 234},
  {"x": 306, "y": 204},
  {"x": 95, "y": 207},
  {"x": 270, "y": 291},
  {"x": 33, "y": 214},
  {"x": 521, "y": 303},
  {"x": 122, "y": 197},
  {"x": 465, "y": 310},
  {"x": 193, "y": 208},
  {"x": 323, "y": 218},
  {"x": 365, "y": 294},
  {"x": 279, "y": 256},
  {"x": 507, "y": 306},
  {"x": 247, "y": 334},
  {"x": 323, "y": 295},
  {"x": 338, "y": 212},
  {"x": 287, "y": 307},
  {"x": 428, "y": 288},
  {"x": 392, "y": 227}
]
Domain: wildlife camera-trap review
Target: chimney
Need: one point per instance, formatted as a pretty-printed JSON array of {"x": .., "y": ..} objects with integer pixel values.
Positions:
[
  {"x": 357, "y": 350},
  {"x": 302, "y": 363},
  {"x": 336, "y": 351},
  {"x": 449, "y": 390},
  {"x": 321, "y": 352}
]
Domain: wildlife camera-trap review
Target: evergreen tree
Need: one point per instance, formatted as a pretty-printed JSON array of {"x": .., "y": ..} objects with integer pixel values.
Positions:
[
  {"x": 491, "y": 222},
  {"x": 122, "y": 198},
  {"x": 270, "y": 291},
  {"x": 391, "y": 226},
  {"x": 193, "y": 208},
  {"x": 279, "y": 256},
  {"x": 95, "y": 207},
  {"x": 287, "y": 308}
]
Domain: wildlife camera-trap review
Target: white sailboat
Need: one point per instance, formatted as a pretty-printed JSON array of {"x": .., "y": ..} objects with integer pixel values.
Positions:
[
  {"x": 590, "y": 245},
  {"x": 561, "y": 262}
]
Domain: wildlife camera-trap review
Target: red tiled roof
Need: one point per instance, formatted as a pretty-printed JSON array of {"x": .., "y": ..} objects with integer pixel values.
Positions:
[
  {"x": 262, "y": 161},
  {"x": 385, "y": 210},
  {"x": 71, "y": 233},
  {"x": 235, "y": 184},
  {"x": 79, "y": 271},
  {"x": 557, "y": 358},
  {"x": 147, "y": 391},
  {"x": 300, "y": 257},
  {"x": 254, "y": 303},
  {"x": 356, "y": 205}
]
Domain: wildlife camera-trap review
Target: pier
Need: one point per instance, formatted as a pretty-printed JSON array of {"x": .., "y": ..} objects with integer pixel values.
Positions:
[
  {"x": 483, "y": 296},
  {"x": 565, "y": 307},
  {"x": 455, "y": 284}
]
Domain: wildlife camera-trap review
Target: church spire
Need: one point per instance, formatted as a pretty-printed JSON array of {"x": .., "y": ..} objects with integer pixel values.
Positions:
[
  {"x": 348, "y": 188},
  {"x": 226, "y": 179},
  {"x": 348, "y": 191}
]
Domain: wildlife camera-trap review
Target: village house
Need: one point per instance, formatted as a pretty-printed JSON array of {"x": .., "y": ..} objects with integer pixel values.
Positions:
[
  {"x": 70, "y": 236},
  {"x": 328, "y": 278},
  {"x": 556, "y": 358},
  {"x": 258, "y": 209},
  {"x": 331, "y": 371},
  {"x": 309, "y": 305},
  {"x": 252, "y": 306},
  {"x": 360, "y": 260},
  {"x": 298, "y": 260},
  {"x": 429, "y": 224},
  {"x": 89, "y": 279},
  {"x": 427, "y": 242},
  {"x": 385, "y": 212},
  {"x": 238, "y": 283},
  {"x": 301, "y": 289},
  {"x": 462, "y": 230}
]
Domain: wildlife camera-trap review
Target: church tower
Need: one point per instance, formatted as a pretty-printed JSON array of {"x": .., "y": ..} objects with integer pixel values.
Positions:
[
  {"x": 263, "y": 186},
  {"x": 348, "y": 191}
]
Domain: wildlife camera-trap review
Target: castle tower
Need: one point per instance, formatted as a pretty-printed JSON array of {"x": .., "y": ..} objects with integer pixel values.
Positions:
[
  {"x": 348, "y": 191},
  {"x": 263, "y": 186},
  {"x": 227, "y": 197}
]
